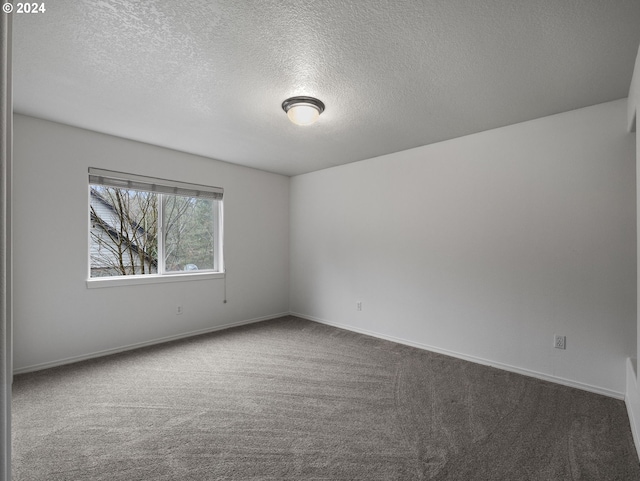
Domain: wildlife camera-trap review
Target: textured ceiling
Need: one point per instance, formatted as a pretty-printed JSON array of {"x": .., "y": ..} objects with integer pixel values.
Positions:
[{"x": 208, "y": 77}]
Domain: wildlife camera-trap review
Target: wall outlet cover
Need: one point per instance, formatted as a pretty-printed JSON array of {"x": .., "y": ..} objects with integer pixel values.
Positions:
[{"x": 560, "y": 342}]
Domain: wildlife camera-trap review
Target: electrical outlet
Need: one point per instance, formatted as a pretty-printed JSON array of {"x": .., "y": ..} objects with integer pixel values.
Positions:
[
  {"x": 358, "y": 306},
  {"x": 178, "y": 310},
  {"x": 560, "y": 342}
]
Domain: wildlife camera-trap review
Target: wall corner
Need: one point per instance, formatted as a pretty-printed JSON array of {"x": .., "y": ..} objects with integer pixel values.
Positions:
[
  {"x": 633, "y": 99},
  {"x": 632, "y": 401}
]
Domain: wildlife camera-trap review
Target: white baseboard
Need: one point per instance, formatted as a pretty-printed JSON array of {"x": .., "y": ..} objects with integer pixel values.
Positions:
[
  {"x": 474, "y": 359},
  {"x": 632, "y": 401},
  {"x": 106, "y": 352}
]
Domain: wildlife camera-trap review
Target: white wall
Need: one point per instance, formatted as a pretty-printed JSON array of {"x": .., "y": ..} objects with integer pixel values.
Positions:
[
  {"x": 632, "y": 395},
  {"x": 483, "y": 246},
  {"x": 633, "y": 105},
  {"x": 58, "y": 318}
]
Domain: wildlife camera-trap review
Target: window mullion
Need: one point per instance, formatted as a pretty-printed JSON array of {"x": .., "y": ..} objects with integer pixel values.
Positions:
[{"x": 161, "y": 234}]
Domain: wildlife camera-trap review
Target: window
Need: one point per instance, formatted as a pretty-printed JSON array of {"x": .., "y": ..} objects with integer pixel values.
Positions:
[{"x": 140, "y": 226}]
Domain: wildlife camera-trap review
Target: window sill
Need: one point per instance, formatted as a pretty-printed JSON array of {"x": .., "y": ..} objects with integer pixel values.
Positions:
[{"x": 99, "y": 282}]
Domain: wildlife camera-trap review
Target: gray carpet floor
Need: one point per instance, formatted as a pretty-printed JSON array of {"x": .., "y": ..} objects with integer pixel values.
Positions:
[{"x": 290, "y": 399}]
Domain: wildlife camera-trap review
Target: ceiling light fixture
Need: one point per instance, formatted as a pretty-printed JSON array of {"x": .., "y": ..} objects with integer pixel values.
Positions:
[{"x": 303, "y": 110}]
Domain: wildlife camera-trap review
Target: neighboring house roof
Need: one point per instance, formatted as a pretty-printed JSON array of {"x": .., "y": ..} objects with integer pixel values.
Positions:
[{"x": 105, "y": 217}]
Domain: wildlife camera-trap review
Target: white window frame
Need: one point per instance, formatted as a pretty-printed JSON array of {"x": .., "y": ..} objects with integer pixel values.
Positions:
[{"x": 160, "y": 186}]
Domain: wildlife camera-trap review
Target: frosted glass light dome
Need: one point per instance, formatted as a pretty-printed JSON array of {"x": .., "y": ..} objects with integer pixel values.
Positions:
[{"x": 303, "y": 110}]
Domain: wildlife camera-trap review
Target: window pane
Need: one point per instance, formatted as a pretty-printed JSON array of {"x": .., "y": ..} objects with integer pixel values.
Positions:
[
  {"x": 189, "y": 233},
  {"x": 124, "y": 232}
]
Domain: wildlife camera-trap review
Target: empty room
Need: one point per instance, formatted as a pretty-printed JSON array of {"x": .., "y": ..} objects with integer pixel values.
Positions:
[{"x": 337, "y": 240}]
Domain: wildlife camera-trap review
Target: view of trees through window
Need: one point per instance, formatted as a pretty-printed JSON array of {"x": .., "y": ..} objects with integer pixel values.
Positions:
[
  {"x": 189, "y": 233},
  {"x": 137, "y": 232}
]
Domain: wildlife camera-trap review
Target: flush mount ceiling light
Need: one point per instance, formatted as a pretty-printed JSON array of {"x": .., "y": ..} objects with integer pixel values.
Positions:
[{"x": 303, "y": 110}]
